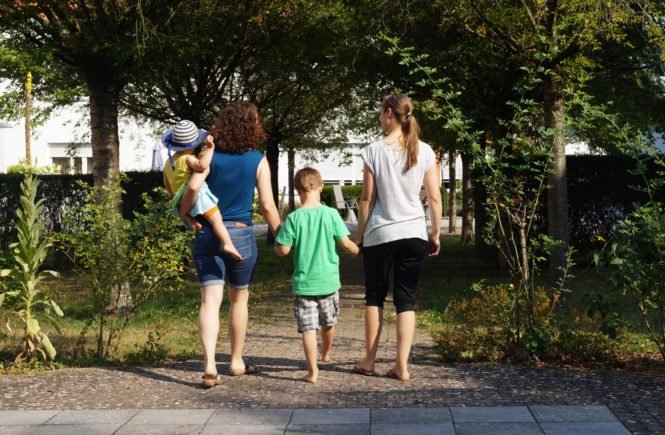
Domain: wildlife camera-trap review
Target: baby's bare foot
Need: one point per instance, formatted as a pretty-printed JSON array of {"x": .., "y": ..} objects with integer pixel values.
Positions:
[
  {"x": 192, "y": 222},
  {"x": 232, "y": 251}
]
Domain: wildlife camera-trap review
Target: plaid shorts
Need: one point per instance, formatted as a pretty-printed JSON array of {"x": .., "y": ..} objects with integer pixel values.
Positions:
[{"x": 314, "y": 311}]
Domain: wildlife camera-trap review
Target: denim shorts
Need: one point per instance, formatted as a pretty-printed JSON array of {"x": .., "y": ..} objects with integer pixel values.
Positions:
[
  {"x": 215, "y": 267},
  {"x": 314, "y": 311}
]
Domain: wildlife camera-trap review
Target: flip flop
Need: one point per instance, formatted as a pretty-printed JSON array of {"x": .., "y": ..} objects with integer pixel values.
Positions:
[
  {"x": 248, "y": 370},
  {"x": 392, "y": 375},
  {"x": 210, "y": 381},
  {"x": 361, "y": 371}
]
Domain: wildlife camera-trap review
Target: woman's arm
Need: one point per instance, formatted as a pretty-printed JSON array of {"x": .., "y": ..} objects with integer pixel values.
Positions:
[
  {"x": 434, "y": 205},
  {"x": 366, "y": 205},
  {"x": 266, "y": 201}
]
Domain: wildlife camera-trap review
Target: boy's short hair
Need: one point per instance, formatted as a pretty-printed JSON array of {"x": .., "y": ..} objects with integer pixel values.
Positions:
[{"x": 307, "y": 180}]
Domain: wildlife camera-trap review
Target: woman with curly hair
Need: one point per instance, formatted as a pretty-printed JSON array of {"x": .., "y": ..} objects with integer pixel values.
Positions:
[{"x": 236, "y": 169}]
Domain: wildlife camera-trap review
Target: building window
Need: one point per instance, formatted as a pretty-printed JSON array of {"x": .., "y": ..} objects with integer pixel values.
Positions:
[
  {"x": 63, "y": 163},
  {"x": 78, "y": 165}
]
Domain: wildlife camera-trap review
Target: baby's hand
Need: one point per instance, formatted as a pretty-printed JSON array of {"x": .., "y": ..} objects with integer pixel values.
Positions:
[
  {"x": 197, "y": 226},
  {"x": 210, "y": 143}
]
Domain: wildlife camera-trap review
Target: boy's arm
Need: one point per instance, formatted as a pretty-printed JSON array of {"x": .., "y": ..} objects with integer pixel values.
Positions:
[
  {"x": 282, "y": 250},
  {"x": 202, "y": 162},
  {"x": 348, "y": 245}
]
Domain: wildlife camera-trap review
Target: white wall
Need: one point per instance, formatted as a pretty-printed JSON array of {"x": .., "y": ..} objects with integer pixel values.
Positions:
[{"x": 71, "y": 126}]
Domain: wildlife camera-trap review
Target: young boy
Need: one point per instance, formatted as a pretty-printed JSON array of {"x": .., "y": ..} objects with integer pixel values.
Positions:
[{"x": 312, "y": 231}]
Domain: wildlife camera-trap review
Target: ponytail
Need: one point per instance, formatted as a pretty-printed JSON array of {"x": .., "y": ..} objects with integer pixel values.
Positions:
[{"x": 402, "y": 109}]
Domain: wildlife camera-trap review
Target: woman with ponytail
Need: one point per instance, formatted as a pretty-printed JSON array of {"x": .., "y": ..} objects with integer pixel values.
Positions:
[{"x": 392, "y": 228}]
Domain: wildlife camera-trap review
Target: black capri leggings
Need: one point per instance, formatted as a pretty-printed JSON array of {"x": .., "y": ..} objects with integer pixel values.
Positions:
[{"x": 406, "y": 258}]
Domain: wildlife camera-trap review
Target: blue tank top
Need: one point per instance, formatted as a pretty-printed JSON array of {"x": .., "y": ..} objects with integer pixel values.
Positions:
[{"x": 232, "y": 179}]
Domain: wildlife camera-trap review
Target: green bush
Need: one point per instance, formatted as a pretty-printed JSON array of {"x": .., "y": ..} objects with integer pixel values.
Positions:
[{"x": 123, "y": 262}]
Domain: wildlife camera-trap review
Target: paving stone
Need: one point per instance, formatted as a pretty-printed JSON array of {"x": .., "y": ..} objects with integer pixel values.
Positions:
[
  {"x": 247, "y": 429},
  {"x": 594, "y": 413},
  {"x": 491, "y": 414},
  {"x": 636, "y": 398},
  {"x": 410, "y": 415},
  {"x": 75, "y": 429},
  {"x": 16, "y": 430},
  {"x": 151, "y": 429},
  {"x": 93, "y": 416},
  {"x": 328, "y": 429},
  {"x": 413, "y": 429},
  {"x": 29, "y": 417},
  {"x": 330, "y": 416},
  {"x": 584, "y": 428},
  {"x": 162, "y": 417},
  {"x": 498, "y": 428},
  {"x": 226, "y": 417}
]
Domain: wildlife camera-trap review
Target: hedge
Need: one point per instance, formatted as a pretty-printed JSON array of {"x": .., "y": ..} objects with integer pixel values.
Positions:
[
  {"x": 61, "y": 191},
  {"x": 599, "y": 195}
]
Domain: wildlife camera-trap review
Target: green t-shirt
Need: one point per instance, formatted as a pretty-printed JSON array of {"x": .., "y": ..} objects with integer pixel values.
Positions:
[{"x": 312, "y": 233}]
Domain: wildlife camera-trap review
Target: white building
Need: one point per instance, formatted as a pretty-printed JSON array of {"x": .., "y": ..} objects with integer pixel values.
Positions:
[{"x": 64, "y": 141}]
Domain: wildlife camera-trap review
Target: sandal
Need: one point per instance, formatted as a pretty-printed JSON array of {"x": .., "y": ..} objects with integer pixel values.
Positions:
[
  {"x": 211, "y": 380},
  {"x": 361, "y": 371},
  {"x": 248, "y": 370}
]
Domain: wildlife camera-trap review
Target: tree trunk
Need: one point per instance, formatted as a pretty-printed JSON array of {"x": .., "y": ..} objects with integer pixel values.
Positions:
[
  {"x": 291, "y": 190},
  {"x": 557, "y": 194},
  {"x": 467, "y": 199},
  {"x": 104, "y": 129},
  {"x": 452, "y": 203},
  {"x": 272, "y": 155}
]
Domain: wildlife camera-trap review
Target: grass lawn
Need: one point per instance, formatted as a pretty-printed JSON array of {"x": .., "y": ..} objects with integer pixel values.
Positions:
[{"x": 165, "y": 328}]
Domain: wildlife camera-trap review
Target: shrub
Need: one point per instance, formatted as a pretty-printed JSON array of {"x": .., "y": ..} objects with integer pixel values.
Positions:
[{"x": 124, "y": 262}]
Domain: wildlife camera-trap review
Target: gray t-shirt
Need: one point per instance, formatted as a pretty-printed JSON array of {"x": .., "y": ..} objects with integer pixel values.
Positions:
[{"x": 398, "y": 213}]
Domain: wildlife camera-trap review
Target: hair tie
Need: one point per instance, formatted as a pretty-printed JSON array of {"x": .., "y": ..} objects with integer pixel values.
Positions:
[{"x": 408, "y": 114}]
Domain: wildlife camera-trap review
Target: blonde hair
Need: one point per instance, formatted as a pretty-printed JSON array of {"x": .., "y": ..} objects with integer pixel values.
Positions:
[
  {"x": 307, "y": 180},
  {"x": 402, "y": 109}
]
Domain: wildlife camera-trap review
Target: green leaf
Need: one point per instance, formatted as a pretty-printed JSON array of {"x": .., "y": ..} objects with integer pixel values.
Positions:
[
  {"x": 56, "y": 308},
  {"x": 32, "y": 327},
  {"x": 616, "y": 261},
  {"x": 48, "y": 347},
  {"x": 5, "y": 272}
]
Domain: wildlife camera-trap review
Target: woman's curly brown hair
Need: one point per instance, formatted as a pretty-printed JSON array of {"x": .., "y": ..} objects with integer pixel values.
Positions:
[{"x": 237, "y": 128}]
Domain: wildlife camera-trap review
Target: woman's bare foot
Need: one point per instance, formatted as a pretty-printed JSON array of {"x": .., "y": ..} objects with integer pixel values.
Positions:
[
  {"x": 325, "y": 357},
  {"x": 399, "y": 375},
  {"x": 312, "y": 378},
  {"x": 230, "y": 249}
]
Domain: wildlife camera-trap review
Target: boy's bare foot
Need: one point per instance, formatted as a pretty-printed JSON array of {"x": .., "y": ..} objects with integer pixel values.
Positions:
[
  {"x": 230, "y": 249},
  {"x": 325, "y": 358},
  {"x": 312, "y": 378}
]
